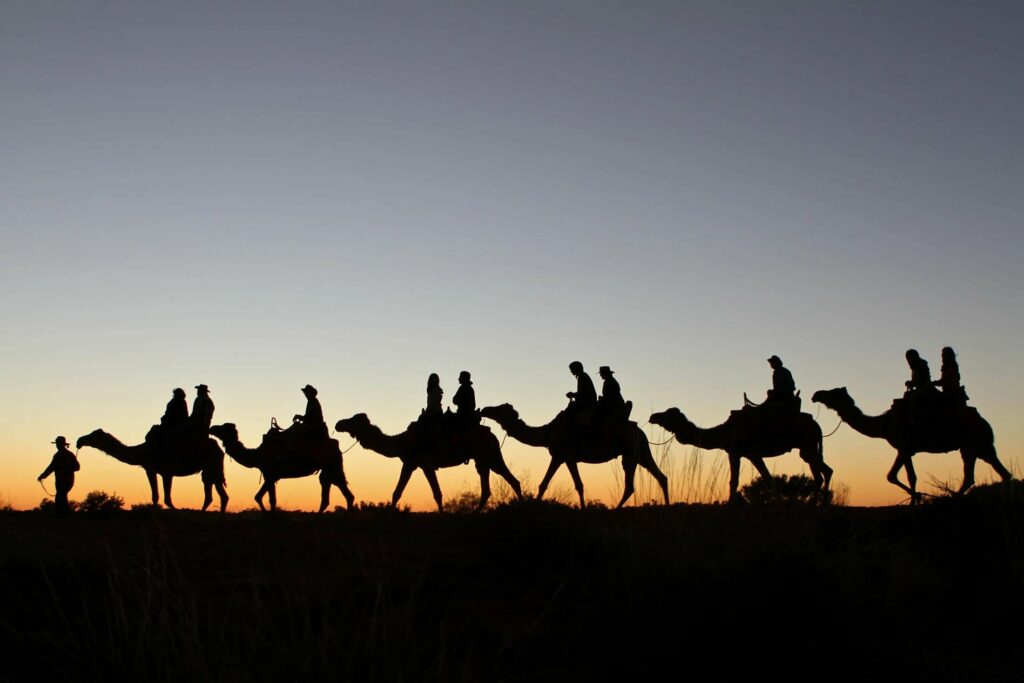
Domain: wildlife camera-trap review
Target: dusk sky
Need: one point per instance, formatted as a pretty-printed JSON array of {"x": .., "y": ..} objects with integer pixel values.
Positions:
[{"x": 256, "y": 196}]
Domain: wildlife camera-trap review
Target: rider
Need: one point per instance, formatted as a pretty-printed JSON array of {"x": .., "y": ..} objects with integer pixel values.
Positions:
[
  {"x": 312, "y": 422},
  {"x": 949, "y": 380},
  {"x": 783, "y": 389},
  {"x": 920, "y": 375},
  {"x": 465, "y": 399},
  {"x": 202, "y": 409},
  {"x": 583, "y": 400},
  {"x": 176, "y": 413},
  {"x": 434, "y": 394},
  {"x": 610, "y": 405}
]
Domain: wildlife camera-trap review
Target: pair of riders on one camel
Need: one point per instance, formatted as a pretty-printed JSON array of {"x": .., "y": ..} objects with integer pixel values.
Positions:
[
  {"x": 923, "y": 398},
  {"x": 586, "y": 410},
  {"x": 434, "y": 416},
  {"x": 177, "y": 425}
]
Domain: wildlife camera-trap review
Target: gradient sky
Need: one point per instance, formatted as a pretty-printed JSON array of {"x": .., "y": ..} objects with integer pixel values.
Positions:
[{"x": 260, "y": 195}]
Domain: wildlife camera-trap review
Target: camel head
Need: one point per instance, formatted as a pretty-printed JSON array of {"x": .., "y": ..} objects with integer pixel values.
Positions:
[
  {"x": 356, "y": 423},
  {"x": 94, "y": 437},
  {"x": 503, "y": 414},
  {"x": 226, "y": 432},
  {"x": 671, "y": 419},
  {"x": 836, "y": 399}
]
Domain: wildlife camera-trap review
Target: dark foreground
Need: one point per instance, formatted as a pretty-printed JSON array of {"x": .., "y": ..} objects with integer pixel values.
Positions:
[{"x": 531, "y": 592}]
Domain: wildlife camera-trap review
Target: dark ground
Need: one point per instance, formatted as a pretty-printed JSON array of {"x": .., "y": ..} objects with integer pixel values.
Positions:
[{"x": 529, "y": 592}]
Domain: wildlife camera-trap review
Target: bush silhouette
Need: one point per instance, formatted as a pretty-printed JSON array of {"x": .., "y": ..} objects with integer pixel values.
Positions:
[
  {"x": 101, "y": 503},
  {"x": 798, "y": 489}
]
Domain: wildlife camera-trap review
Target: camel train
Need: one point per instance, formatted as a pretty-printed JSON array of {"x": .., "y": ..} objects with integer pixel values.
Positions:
[{"x": 591, "y": 429}]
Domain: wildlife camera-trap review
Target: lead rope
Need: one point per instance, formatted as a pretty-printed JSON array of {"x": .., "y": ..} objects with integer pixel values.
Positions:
[
  {"x": 350, "y": 447},
  {"x": 818, "y": 414}
]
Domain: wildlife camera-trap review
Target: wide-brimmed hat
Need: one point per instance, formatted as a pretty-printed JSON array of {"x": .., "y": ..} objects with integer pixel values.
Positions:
[
  {"x": 60, "y": 441},
  {"x": 605, "y": 370},
  {"x": 309, "y": 389},
  {"x": 202, "y": 388}
]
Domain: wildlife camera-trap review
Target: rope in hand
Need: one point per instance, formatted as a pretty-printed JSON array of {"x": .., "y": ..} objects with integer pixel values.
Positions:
[{"x": 43, "y": 487}]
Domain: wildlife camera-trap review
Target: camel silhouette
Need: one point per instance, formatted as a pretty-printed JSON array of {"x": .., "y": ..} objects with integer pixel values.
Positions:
[
  {"x": 962, "y": 429},
  {"x": 203, "y": 456},
  {"x": 454, "y": 447},
  {"x": 754, "y": 437},
  {"x": 566, "y": 446},
  {"x": 276, "y": 464}
]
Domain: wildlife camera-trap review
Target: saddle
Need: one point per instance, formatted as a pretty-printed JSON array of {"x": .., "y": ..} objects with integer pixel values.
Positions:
[{"x": 298, "y": 436}]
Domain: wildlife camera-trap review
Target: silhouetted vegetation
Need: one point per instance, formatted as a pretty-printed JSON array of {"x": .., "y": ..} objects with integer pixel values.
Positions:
[
  {"x": 530, "y": 590},
  {"x": 781, "y": 489},
  {"x": 101, "y": 503}
]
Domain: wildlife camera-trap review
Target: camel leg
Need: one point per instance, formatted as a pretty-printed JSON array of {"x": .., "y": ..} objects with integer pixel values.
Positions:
[
  {"x": 761, "y": 468},
  {"x": 734, "y": 477},
  {"x": 502, "y": 470},
  {"x": 222, "y": 492},
  {"x": 151, "y": 476},
  {"x": 325, "y": 490},
  {"x": 207, "y": 494},
  {"x": 272, "y": 493},
  {"x": 987, "y": 453},
  {"x": 574, "y": 472},
  {"x": 485, "y": 485},
  {"x": 904, "y": 460},
  {"x": 552, "y": 468},
  {"x": 259, "y": 495},
  {"x": 646, "y": 461},
  {"x": 821, "y": 472},
  {"x": 970, "y": 458},
  {"x": 342, "y": 485},
  {"x": 167, "y": 491},
  {"x": 435, "y": 488},
  {"x": 403, "y": 481},
  {"x": 628, "y": 477}
]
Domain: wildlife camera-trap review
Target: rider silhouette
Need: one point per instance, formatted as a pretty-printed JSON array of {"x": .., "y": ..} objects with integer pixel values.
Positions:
[
  {"x": 434, "y": 395},
  {"x": 312, "y": 422},
  {"x": 583, "y": 400},
  {"x": 202, "y": 409},
  {"x": 949, "y": 379},
  {"x": 465, "y": 400},
  {"x": 610, "y": 406},
  {"x": 920, "y": 375},
  {"x": 176, "y": 413}
]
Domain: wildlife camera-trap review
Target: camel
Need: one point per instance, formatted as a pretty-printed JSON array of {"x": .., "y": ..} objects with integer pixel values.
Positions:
[
  {"x": 276, "y": 464},
  {"x": 457, "y": 447},
  {"x": 965, "y": 430},
  {"x": 204, "y": 457},
  {"x": 566, "y": 446},
  {"x": 754, "y": 437}
]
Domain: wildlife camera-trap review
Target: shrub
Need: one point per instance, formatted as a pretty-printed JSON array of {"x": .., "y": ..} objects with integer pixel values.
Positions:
[
  {"x": 101, "y": 503},
  {"x": 797, "y": 489}
]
